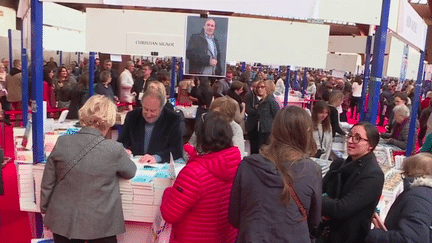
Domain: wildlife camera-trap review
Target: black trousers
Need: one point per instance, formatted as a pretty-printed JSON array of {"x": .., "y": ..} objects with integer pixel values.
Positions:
[{"x": 61, "y": 239}]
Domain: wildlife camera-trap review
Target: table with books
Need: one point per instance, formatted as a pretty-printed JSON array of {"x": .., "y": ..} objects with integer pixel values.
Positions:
[{"x": 141, "y": 196}]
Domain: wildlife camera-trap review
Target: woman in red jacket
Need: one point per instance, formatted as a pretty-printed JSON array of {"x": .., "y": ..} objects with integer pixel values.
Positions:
[{"x": 197, "y": 204}]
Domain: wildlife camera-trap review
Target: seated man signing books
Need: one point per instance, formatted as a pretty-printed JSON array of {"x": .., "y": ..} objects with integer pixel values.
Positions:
[{"x": 152, "y": 130}]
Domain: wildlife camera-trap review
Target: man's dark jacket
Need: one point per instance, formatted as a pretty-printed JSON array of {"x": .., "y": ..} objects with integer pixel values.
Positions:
[
  {"x": 166, "y": 136},
  {"x": 197, "y": 54}
]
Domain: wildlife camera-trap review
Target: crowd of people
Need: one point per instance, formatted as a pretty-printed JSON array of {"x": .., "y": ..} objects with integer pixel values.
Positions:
[{"x": 271, "y": 192}]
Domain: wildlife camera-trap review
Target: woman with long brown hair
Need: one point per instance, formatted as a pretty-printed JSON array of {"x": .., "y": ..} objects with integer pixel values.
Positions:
[
  {"x": 63, "y": 83},
  {"x": 322, "y": 131},
  {"x": 276, "y": 195}
]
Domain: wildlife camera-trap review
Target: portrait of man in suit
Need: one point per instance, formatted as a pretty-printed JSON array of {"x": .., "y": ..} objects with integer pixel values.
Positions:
[{"x": 206, "y": 46}]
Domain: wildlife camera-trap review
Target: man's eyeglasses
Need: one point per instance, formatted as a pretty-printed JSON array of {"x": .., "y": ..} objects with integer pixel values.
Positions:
[
  {"x": 356, "y": 138},
  {"x": 260, "y": 87}
]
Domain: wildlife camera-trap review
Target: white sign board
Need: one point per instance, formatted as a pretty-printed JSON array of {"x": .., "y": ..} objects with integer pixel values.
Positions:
[
  {"x": 156, "y": 44},
  {"x": 116, "y": 31},
  {"x": 411, "y": 26},
  {"x": 308, "y": 49}
]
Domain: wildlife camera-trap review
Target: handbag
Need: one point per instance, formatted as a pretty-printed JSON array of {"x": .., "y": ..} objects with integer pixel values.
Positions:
[
  {"x": 321, "y": 233},
  {"x": 77, "y": 158},
  {"x": 160, "y": 230}
]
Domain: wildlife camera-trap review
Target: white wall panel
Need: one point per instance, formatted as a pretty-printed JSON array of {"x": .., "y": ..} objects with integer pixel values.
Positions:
[
  {"x": 296, "y": 44},
  {"x": 63, "y": 17},
  {"x": 395, "y": 58},
  {"x": 286, "y": 8},
  {"x": 413, "y": 63},
  {"x": 7, "y": 21},
  {"x": 64, "y": 40},
  {"x": 364, "y": 11},
  {"x": 343, "y": 62}
]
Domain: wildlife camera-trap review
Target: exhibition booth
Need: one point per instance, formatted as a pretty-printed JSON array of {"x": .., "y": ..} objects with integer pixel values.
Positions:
[{"x": 142, "y": 32}]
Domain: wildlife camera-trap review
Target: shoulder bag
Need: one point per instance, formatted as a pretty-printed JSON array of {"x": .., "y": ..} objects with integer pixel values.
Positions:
[{"x": 77, "y": 158}]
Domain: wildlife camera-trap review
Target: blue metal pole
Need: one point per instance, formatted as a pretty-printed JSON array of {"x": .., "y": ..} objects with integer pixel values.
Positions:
[
  {"x": 91, "y": 73},
  {"x": 25, "y": 89},
  {"x": 61, "y": 58},
  {"x": 287, "y": 85},
  {"x": 412, "y": 129},
  {"x": 304, "y": 82},
  {"x": 366, "y": 77},
  {"x": 24, "y": 79},
  {"x": 180, "y": 71},
  {"x": 378, "y": 62},
  {"x": 37, "y": 87},
  {"x": 295, "y": 83},
  {"x": 10, "y": 49},
  {"x": 79, "y": 57},
  {"x": 173, "y": 77},
  {"x": 243, "y": 67},
  {"x": 37, "y": 81}
]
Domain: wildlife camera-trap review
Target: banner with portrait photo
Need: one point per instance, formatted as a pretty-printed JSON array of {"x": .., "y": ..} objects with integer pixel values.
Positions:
[{"x": 206, "y": 46}]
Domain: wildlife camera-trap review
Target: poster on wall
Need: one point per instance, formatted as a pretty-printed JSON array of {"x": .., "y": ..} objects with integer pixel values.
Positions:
[
  {"x": 206, "y": 46},
  {"x": 404, "y": 67}
]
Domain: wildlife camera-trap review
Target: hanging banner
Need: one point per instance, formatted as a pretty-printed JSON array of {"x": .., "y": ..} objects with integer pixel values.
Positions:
[
  {"x": 411, "y": 26},
  {"x": 404, "y": 66}
]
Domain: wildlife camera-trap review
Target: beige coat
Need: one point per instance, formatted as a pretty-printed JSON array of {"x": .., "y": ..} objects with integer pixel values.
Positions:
[{"x": 14, "y": 87}]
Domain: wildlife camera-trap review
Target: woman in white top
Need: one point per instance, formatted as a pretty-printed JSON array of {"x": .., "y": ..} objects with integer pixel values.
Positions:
[
  {"x": 126, "y": 83},
  {"x": 322, "y": 131},
  {"x": 356, "y": 98},
  {"x": 280, "y": 85}
]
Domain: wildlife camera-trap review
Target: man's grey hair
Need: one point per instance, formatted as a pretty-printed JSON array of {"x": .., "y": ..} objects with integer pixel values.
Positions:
[
  {"x": 156, "y": 94},
  {"x": 129, "y": 63},
  {"x": 402, "y": 110}
]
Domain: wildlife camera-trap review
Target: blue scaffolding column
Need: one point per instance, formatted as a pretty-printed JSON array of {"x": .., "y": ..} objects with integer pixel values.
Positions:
[
  {"x": 60, "y": 58},
  {"x": 173, "y": 77},
  {"x": 378, "y": 62},
  {"x": 305, "y": 82},
  {"x": 366, "y": 77},
  {"x": 180, "y": 71},
  {"x": 91, "y": 73},
  {"x": 37, "y": 87},
  {"x": 287, "y": 85},
  {"x": 10, "y": 49}
]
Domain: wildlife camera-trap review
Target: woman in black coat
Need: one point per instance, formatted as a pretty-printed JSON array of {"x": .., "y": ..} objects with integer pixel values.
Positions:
[
  {"x": 78, "y": 96},
  {"x": 261, "y": 108},
  {"x": 410, "y": 216},
  {"x": 353, "y": 187}
]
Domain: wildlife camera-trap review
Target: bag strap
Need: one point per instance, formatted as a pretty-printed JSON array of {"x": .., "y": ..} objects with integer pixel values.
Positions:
[
  {"x": 77, "y": 158},
  {"x": 297, "y": 201}
]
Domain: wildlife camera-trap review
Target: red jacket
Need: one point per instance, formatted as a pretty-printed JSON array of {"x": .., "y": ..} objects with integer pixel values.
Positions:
[{"x": 197, "y": 204}]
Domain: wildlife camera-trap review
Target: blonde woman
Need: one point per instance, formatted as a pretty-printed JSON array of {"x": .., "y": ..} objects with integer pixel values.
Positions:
[
  {"x": 80, "y": 194},
  {"x": 261, "y": 108}
]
